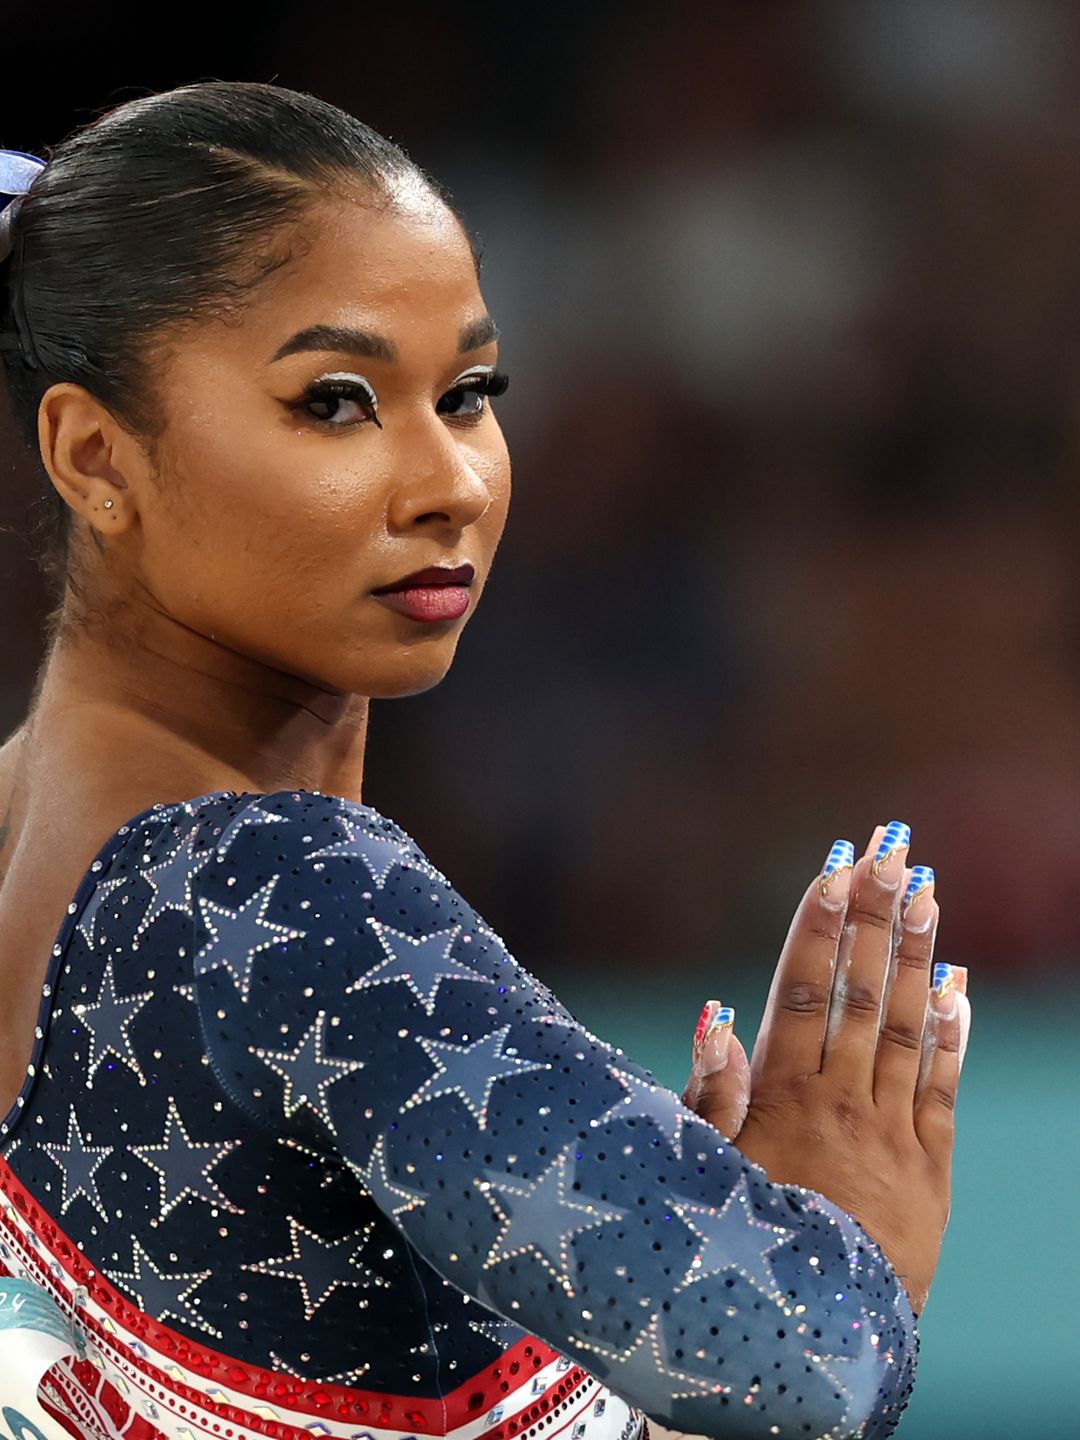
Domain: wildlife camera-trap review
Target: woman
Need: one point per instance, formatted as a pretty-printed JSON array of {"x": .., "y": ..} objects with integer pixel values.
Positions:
[{"x": 292, "y": 1143}]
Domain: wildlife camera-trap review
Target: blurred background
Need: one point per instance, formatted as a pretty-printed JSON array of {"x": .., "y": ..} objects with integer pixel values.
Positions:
[{"x": 790, "y": 297}]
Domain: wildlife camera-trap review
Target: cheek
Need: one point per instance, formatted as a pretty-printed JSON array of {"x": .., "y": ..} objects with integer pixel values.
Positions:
[
  {"x": 250, "y": 532},
  {"x": 492, "y": 466}
]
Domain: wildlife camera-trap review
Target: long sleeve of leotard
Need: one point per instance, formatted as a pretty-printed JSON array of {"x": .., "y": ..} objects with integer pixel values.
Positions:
[{"x": 354, "y": 1003}]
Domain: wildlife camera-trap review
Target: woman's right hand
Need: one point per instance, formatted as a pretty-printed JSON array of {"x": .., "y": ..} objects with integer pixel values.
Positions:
[{"x": 854, "y": 1075}]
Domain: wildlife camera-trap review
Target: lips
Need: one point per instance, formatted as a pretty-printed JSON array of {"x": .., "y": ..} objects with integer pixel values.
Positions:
[{"x": 433, "y": 575}]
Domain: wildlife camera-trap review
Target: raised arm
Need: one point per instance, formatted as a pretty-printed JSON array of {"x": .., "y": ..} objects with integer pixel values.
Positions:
[{"x": 353, "y": 1000}]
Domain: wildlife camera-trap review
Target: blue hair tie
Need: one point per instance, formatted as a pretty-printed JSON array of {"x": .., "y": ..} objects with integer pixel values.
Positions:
[{"x": 18, "y": 171}]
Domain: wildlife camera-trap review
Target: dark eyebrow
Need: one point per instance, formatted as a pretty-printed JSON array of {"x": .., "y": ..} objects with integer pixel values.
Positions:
[
  {"x": 350, "y": 341},
  {"x": 481, "y": 331}
]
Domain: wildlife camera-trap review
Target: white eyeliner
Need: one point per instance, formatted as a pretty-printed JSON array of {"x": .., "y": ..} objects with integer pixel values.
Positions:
[
  {"x": 349, "y": 375},
  {"x": 475, "y": 370}
]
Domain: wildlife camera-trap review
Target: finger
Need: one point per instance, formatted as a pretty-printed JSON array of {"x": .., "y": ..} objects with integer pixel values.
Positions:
[
  {"x": 863, "y": 958},
  {"x": 793, "y": 1026},
  {"x": 899, "y": 1047},
  {"x": 965, "y": 1027},
  {"x": 935, "y": 1097},
  {"x": 719, "y": 1085},
  {"x": 897, "y": 936},
  {"x": 960, "y": 976}
]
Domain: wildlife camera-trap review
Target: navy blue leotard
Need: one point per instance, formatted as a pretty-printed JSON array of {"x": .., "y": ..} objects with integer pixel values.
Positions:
[{"x": 304, "y": 1150}]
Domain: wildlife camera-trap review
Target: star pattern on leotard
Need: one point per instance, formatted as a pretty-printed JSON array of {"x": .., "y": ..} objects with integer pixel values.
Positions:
[
  {"x": 159, "y": 1294},
  {"x": 317, "y": 1265},
  {"x": 503, "y": 1333},
  {"x": 87, "y": 920},
  {"x": 478, "y": 1132},
  {"x": 183, "y": 1165},
  {"x": 470, "y": 1071},
  {"x": 187, "y": 992},
  {"x": 252, "y": 816},
  {"x": 171, "y": 881},
  {"x": 852, "y": 1238},
  {"x": 344, "y": 1377},
  {"x": 543, "y": 1217},
  {"x": 107, "y": 1019},
  {"x": 307, "y": 1071},
  {"x": 390, "y": 1195},
  {"x": 644, "y": 1100},
  {"x": 78, "y": 1163},
  {"x": 422, "y": 963},
  {"x": 237, "y": 936},
  {"x": 378, "y": 852},
  {"x": 856, "y": 1376},
  {"x": 634, "y": 1371},
  {"x": 731, "y": 1237}
]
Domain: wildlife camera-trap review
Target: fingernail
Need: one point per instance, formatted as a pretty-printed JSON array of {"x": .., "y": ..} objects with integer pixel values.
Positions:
[
  {"x": 916, "y": 907},
  {"x": 712, "y": 1053},
  {"x": 888, "y": 863},
  {"x": 960, "y": 979},
  {"x": 943, "y": 988},
  {"x": 836, "y": 874},
  {"x": 702, "y": 1028},
  {"x": 943, "y": 979}
]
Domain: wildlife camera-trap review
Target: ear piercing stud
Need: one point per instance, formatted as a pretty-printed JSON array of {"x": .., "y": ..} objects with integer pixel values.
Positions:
[{"x": 108, "y": 504}]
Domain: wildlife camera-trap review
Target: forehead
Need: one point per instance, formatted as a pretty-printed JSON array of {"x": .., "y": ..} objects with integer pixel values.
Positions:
[
  {"x": 395, "y": 266},
  {"x": 401, "y": 266}
]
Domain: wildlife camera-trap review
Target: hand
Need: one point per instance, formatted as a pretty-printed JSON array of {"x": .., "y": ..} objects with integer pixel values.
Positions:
[
  {"x": 719, "y": 1085},
  {"x": 855, "y": 1072}
]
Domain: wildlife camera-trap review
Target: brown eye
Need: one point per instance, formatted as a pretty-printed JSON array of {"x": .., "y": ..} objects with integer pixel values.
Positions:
[
  {"x": 463, "y": 400},
  {"x": 466, "y": 401},
  {"x": 340, "y": 403}
]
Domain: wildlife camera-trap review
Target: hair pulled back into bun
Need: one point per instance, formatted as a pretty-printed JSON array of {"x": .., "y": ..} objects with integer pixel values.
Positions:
[{"x": 160, "y": 211}]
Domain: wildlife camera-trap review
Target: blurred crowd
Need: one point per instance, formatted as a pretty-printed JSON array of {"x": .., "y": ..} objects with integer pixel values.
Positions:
[{"x": 790, "y": 297}]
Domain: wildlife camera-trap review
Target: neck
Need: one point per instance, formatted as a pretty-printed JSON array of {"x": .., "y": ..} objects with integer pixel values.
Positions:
[{"x": 174, "y": 715}]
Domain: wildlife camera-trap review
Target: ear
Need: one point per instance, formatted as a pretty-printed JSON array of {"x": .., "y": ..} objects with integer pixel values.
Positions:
[{"x": 90, "y": 457}]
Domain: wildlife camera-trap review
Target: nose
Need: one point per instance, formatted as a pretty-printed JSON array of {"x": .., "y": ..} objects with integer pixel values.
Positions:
[{"x": 440, "y": 481}]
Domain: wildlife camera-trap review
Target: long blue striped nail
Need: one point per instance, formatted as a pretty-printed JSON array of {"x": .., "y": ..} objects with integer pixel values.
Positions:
[
  {"x": 943, "y": 979},
  {"x": 838, "y": 862},
  {"x": 840, "y": 857},
  {"x": 922, "y": 877},
  {"x": 896, "y": 838},
  {"x": 724, "y": 1016}
]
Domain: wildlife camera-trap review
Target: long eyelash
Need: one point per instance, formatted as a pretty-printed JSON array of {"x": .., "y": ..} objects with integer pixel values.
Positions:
[
  {"x": 336, "y": 389},
  {"x": 343, "y": 389},
  {"x": 496, "y": 382},
  {"x": 493, "y": 382}
]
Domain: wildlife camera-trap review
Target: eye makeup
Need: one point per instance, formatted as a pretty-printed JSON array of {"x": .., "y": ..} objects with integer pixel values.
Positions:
[{"x": 337, "y": 386}]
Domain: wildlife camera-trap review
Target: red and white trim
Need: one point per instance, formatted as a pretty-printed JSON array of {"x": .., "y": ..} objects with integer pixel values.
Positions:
[{"x": 143, "y": 1381}]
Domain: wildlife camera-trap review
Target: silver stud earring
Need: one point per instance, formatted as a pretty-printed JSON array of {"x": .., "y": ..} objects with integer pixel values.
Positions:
[{"x": 108, "y": 504}]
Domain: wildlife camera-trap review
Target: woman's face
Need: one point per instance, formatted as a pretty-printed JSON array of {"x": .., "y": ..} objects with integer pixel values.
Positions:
[{"x": 280, "y": 506}]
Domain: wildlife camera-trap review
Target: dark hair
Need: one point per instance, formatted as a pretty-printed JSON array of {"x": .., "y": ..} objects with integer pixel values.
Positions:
[{"x": 160, "y": 210}]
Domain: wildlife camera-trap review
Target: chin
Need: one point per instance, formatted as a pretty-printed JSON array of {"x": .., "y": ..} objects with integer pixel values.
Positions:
[{"x": 415, "y": 673}]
